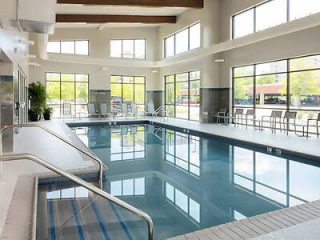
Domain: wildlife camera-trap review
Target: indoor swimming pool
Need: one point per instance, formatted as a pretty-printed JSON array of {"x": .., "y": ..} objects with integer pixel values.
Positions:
[{"x": 184, "y": 182}]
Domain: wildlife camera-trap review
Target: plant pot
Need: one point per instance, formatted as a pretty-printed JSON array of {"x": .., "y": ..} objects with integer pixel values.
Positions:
[
  {"x": 47, "y": 116},
  {"x": 34, "y": 117}
]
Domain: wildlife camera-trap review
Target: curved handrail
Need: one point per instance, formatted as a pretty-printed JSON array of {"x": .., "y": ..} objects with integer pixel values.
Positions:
[
  {"x": 101, "y": 164},
  {"x": 23, "y": 156}
]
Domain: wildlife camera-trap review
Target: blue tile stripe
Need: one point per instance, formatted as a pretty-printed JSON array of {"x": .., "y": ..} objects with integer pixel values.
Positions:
[
  {"x": 76, "y": 215},
  {"x": 101, "y": 222},
  {"x": 52, "y": 228},
  {"x": 123, "y": 225}
]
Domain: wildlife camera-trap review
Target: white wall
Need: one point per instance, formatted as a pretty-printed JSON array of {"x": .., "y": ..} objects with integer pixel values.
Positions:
[
  {"x": 99, "y": 48},
  {"x": 13, "y": 52},
  {"x": 209, "y": 19},
  {"x": 98, "y": 79},
  {"x": 100, "y": 40}
]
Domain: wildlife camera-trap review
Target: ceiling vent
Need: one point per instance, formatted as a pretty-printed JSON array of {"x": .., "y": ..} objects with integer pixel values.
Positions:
[{"x": 28, "y": 15}]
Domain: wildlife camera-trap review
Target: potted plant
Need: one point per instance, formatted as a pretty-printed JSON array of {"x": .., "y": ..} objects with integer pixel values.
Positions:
[
  {"x": 37, "y": 97},
  {"x": 35, "y": 113},
  {"x": 47, "y": 113}
]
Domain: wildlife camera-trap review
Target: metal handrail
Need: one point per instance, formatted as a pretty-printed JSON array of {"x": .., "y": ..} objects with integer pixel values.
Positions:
[
  {"x": 23, "y": 156},
  {"x": 101, "y": 164}
]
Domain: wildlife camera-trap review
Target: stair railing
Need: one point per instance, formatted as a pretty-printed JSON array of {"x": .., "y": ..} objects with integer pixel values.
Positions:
[{"x": 24, "y": 156}]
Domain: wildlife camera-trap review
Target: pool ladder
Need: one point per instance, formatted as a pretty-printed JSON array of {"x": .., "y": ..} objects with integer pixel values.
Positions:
[
  {"x": 156, "y": 133},
  {"x": 25, "y": 156}
]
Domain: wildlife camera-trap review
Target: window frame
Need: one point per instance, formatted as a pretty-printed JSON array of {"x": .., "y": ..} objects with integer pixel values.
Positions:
[
  {"x": 254, "y": 8},
  {"x": 288, "y": 72},
  {"x": 74, "y": 49},
  {"x": 134, "y": 83},
  {"x": 75, "y": 92},
  {"x": 134, "y": 48},
  {"x": 175, "y": 97},
  {"x": 174, "y": 41}
]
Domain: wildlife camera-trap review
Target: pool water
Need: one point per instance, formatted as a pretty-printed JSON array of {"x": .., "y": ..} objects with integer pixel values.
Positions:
[{"x": 186, "y": 183}]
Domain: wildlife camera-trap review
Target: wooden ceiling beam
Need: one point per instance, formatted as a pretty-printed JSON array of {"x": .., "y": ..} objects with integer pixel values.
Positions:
[
  {"x": 88, "y": 18},
  {"x": 139, "y": 3}
]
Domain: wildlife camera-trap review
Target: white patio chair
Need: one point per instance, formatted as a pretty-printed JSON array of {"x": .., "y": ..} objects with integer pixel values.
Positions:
[
  {"x": 124, "y": 109},
  {"x": 104, "y": 110},
  {"x": 92, "y": 110},
  {"x": 67, "y": 110}
]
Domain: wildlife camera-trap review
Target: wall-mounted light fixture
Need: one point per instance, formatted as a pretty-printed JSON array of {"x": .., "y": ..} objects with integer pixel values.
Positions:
[{"x": 26, "y": 42}]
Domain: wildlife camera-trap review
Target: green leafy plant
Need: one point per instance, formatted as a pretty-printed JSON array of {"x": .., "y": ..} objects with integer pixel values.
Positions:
[
  {"x": 37, "y": 97},
  {"x": 35, "y": 113},
  {"x": 47, "y": 113}
]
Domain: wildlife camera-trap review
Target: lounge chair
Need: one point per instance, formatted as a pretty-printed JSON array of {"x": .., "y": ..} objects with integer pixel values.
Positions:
[
  {"x": 237, "y": 116},
  {"x": 66, "y": 110},
  {"x": 273, "y": 119},
  {"x": 92, "y": 110},
  {"x": 134, "y": 110},
  {"x": 250, "y": 115},
  {"x": 317, "y": 124},
  {"x": 150, "y": 110},
  {"x": 288, "y": 119},
  {"x": 221, "y": 114},
  {"x": 124, "y": 109},
  {"x": 104, "y": 110}
]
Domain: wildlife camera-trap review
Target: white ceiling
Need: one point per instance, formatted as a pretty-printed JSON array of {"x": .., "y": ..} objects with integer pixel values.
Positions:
[{"x": 114, "y": 10}]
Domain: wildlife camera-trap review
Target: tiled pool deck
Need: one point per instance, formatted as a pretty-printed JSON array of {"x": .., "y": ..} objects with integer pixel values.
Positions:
[{"x": 282, "y": 224}]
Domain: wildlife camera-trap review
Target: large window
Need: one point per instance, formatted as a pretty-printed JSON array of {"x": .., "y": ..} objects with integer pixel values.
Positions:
[
  {"x": 127, "y": 89},
  {"x": 183, "y": 41},
  {"x": 77, "y": 47},
  {"x": 67, "y": 89},
  {"x": 283, "y": 181},
  {"x": 182, "y": 98},
  {"x": 258, "y": 17},
  {"x": 264, "y": 86},
  {"x": 128, "y": 48}
]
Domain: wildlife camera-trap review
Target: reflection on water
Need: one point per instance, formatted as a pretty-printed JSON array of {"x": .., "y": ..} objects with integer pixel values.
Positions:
[
  {"x": 68, "y": 193},
  {"x": 127, "y": 143},
  {"x": 284, "y": 181},
  {"x": 183, "y": 202},
  {"x": 182, "y": 150},
  {"x": 186, "y": 183},
  {"x": 128, "y": 187}
]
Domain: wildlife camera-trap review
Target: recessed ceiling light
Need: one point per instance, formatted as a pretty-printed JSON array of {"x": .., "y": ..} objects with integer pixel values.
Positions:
[{"x": 219, "y": 60}]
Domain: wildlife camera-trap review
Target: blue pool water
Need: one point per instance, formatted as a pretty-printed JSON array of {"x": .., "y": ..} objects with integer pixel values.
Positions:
[{"x": 186, "y": 183}]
